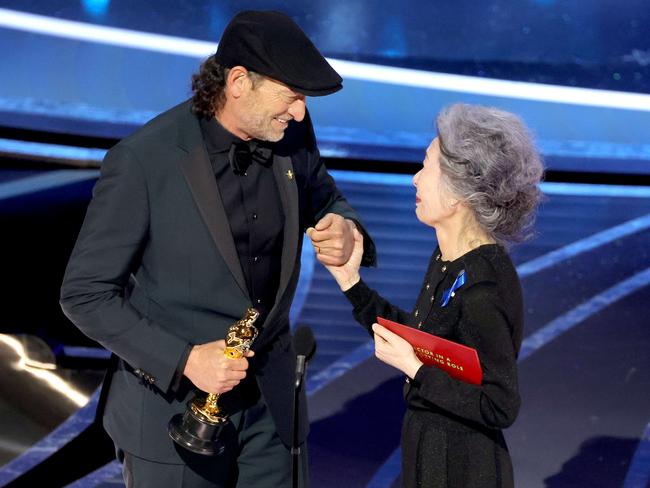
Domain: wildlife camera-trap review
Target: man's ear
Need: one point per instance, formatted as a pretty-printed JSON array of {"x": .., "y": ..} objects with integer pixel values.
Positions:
[{"x": 237, "y": 81}]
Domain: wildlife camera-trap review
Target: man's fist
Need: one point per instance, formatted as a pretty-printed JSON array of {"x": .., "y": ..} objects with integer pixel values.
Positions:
[{"x": 333, "y": 239}]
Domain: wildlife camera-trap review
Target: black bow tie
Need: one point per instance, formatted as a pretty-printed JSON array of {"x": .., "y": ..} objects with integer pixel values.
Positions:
[{"x": 243, "y": 154}]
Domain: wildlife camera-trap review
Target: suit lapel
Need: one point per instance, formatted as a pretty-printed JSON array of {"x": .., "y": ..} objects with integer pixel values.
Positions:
[
  {"x": 286, "y": 181},
  {"x": 200, "y": 178}
]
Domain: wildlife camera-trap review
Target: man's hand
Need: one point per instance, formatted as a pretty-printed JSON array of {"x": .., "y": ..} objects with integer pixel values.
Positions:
[
  {"x": 333, "y": 239},
  {"x": 211, "y": 371},
  {"x": 347, "y": 275}
]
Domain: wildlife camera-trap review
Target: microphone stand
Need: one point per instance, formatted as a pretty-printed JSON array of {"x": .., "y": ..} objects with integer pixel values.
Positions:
[
  {"x": 305, "y": 347},
  {"x": 295, "y": 449}
]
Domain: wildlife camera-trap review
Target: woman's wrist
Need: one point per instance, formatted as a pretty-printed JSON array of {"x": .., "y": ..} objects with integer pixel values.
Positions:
[
  {"x": 346, "y": 283},
  {"x": 412, "y": 369}
]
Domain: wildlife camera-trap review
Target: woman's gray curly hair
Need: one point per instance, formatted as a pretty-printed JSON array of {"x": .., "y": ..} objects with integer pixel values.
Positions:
[{"x": 488, "y": 160}]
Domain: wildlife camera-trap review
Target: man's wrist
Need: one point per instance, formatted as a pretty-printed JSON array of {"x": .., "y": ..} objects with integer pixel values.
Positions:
[{"x": 191, "y": 356}]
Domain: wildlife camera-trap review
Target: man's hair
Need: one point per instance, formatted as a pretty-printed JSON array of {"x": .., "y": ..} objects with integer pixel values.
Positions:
[{"x": 208, "y": 87}]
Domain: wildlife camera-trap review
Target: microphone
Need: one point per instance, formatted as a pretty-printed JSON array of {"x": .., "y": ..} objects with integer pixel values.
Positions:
[{"x": 305, "y": 347}]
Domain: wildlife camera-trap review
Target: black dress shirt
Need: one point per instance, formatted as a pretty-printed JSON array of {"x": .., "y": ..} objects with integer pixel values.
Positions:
[{"x": 252, "y": 202}]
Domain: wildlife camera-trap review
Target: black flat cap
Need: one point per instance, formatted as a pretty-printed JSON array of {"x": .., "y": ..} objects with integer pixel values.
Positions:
[{"x": 272, "y": 44}]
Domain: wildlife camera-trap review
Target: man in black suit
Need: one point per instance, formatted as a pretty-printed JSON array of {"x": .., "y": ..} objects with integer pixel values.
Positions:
[{"x": 196, "y": 217}]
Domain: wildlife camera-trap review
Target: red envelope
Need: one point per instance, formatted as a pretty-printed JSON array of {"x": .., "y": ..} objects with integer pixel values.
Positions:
[{"x": 459, "y": 361}]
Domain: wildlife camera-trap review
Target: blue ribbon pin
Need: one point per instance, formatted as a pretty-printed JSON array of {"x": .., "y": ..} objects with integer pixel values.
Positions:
[{"x": 449, "y": 294}]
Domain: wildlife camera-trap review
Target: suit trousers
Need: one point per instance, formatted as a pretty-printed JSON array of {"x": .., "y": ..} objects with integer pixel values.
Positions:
[{"x": 254, "y": 457}]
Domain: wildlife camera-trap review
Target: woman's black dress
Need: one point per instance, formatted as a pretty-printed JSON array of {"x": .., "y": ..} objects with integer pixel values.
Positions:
[{"x": 451, "y": 436}]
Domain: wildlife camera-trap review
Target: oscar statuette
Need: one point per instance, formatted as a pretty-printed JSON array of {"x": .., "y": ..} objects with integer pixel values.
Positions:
[{"x": 198, "y": 428}]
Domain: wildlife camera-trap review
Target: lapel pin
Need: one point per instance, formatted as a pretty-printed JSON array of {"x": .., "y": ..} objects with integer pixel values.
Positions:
[{"x": 290, "y": 175}]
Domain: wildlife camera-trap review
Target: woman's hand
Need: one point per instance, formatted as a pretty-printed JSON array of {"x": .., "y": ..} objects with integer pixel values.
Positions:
[
  {"x": 395, "y": 351},
  {"x": 346, "y": 275}
]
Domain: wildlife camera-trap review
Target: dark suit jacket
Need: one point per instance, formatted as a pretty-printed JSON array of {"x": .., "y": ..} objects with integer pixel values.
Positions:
[{"x": 155, "y": 268}]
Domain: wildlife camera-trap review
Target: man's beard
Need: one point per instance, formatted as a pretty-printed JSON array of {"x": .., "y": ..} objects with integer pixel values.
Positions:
[
  {"x": 260, "y": 127},
  {"x": 259, "y": 123}
]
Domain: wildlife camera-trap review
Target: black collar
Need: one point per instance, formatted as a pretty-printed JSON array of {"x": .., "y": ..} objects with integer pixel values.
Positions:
[{"x": 217, "y": 138}]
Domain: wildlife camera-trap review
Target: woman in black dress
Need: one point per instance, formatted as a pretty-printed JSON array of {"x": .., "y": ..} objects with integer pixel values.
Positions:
[{"x": 478, "y": 189}]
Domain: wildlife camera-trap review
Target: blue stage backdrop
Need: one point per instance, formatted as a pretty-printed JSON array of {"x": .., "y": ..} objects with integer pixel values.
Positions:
[{"x": 577, "y": 73}]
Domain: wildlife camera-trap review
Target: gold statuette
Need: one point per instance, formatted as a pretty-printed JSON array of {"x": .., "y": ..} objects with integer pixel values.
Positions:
[{"x": 199, "y": 427}]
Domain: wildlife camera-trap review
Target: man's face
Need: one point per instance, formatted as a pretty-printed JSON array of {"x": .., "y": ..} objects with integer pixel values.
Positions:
[{"x": 267, "y": 109}]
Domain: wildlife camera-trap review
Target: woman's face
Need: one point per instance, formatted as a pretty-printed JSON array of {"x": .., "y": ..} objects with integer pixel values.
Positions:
[{"x": 433, "y": 202}]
